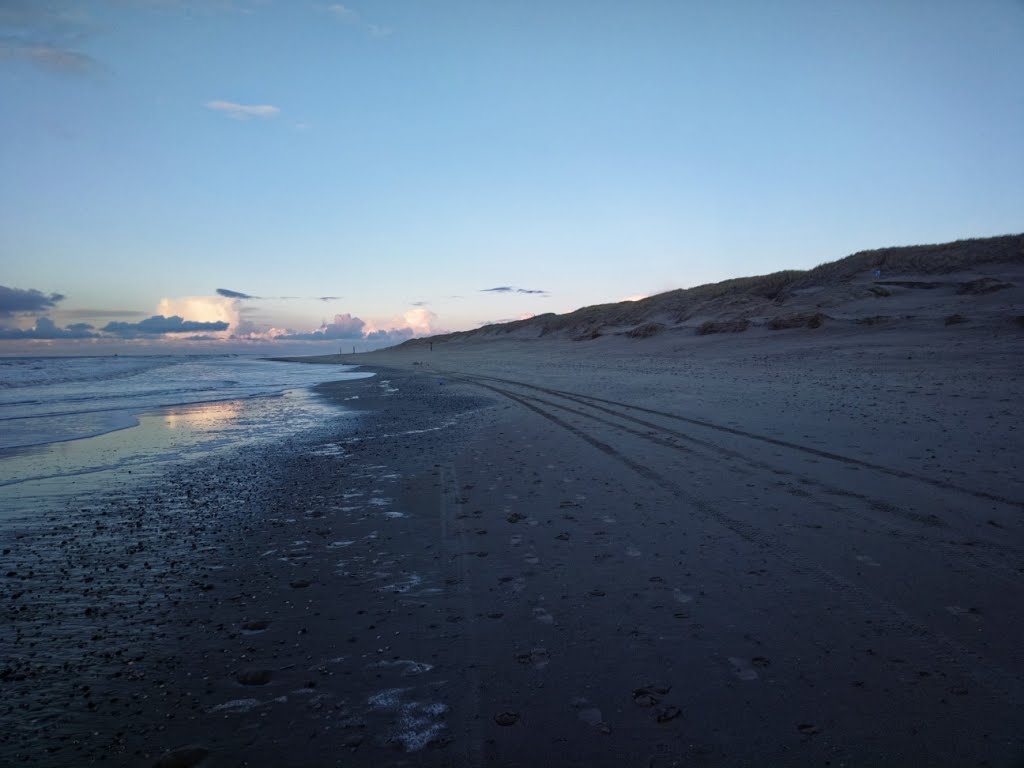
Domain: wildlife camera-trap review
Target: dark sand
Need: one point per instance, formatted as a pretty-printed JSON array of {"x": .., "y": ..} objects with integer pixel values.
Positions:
[{"x": 776, "y": 557}]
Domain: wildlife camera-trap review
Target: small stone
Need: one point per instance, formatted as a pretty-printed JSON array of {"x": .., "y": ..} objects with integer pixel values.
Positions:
[
  {"x": 300, "y": 583},
  {"x": 808, "y": 729},
  {"x": 506, "y": 718}
]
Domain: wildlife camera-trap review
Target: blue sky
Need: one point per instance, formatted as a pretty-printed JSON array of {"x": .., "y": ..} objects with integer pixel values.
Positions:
[{"x": 405, "y": 155}]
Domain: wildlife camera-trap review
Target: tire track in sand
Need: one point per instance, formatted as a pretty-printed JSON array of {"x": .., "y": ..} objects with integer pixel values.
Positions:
[{"x": 948, "y": 653}]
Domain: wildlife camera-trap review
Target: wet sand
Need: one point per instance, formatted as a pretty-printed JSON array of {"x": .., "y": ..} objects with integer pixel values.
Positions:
[{"x": 742, "y": 554}]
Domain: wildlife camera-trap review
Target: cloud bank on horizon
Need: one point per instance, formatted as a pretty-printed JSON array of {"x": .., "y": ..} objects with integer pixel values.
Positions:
[{"x": 216, "y": 318}]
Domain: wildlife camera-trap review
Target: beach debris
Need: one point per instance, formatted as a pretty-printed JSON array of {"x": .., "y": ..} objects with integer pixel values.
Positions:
[
  {"x": 506, "y": 718},
  {"x": 183, "y": 757}
]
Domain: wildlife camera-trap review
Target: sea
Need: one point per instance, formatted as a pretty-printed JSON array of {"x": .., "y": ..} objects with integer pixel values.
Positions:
[{"x": 67, "y": 424}]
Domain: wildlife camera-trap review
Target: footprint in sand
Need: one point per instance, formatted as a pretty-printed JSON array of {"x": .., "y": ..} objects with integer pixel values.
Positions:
[
  {"x": 537, "y": 657},
  {"x": 588, "y": 713},
  {"x": 742, "y": 668},
  {"x": 543, "y": 616},
  {"x": 964, "y": 613}
]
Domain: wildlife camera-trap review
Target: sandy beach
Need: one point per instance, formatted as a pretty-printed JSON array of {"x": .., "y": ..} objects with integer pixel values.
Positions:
[{"x": 796, "y": 550}]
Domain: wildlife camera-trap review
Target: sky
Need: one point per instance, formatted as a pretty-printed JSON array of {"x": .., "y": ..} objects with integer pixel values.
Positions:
[{"x": 244, "y": 175}]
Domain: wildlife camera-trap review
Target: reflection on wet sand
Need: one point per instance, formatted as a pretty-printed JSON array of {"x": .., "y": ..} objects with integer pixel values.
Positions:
[
  {"x": 167, "y": 435},
  {"x": 202, "y": 417}
]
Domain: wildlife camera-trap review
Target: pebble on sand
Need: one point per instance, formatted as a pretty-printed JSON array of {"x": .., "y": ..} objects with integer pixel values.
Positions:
[{"x": 506, "y": 718}]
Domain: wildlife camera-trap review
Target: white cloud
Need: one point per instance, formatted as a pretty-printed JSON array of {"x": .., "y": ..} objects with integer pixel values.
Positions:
[
  {"x": 342, "y": 12},
  {"x": 203, "y": 309},
  {"x": 350, "y": 16},
  {"x": 243, "y": 111}
]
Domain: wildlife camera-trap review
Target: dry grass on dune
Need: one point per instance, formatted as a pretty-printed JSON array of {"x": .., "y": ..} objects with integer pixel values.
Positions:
[{"x": 728, "y": 306}]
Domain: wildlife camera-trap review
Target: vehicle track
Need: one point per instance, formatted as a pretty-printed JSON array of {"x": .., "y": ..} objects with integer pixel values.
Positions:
[
  {"x": 947, "y": 652},
  {"x": 849, "y": 460},
  {"x": 878, "y": 510}
]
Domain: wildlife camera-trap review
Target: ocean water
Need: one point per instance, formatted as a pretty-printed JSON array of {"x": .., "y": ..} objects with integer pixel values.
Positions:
[{"x": 67, "y": 423}]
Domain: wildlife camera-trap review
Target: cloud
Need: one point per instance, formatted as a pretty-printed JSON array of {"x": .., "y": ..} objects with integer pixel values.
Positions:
[
  {"x": 391, "y": 334},
  {"x": 243, "y": 111},
  {"x": 158, "y": 324},
  {"x": 342, "y": 327},
  {"x": 350, "y": 16},
  {"x": 45, "y": 328},
  {"x": 229, "y": 294},
  {"x": 52, "y": 58},
  {"x": 414, "y": 322},
  {"x": 46, "y": 35},
  {"x": 342, "y": 12},
  {"x": 205, "y": 309},
  {"x": 512, "y": 289},
  {"x": 16, "y": 300},
  {"x": 63, "y": 60}
]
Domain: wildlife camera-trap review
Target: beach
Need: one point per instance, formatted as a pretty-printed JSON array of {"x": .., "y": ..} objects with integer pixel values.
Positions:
[{"x": 805, "y": 551}]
